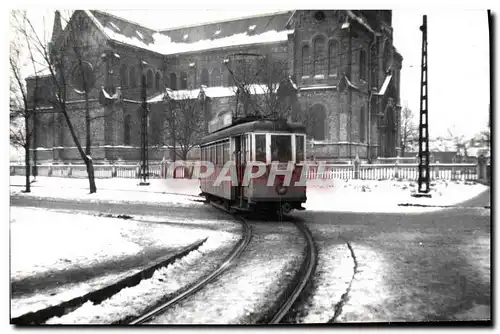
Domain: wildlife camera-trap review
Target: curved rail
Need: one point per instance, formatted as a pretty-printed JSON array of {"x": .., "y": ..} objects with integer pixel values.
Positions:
[
  {"x": 303, "y": 276},
  {"x": 240, "y": 247}
]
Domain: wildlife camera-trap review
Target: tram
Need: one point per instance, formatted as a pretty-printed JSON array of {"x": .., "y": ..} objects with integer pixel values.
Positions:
[{"x": 245, "y": 144}]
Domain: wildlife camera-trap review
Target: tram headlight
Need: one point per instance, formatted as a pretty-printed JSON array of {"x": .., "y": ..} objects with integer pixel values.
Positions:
[{"x": 281, "y": 189}]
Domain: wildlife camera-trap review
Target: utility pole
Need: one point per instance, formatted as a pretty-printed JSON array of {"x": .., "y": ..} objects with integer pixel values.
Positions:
[
  {"x": 144, "y": 129},
  {"x": 423, "y": 140}
]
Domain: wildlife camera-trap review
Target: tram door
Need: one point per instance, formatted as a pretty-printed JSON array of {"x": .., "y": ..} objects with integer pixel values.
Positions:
[{"x": 241, "y": 150}]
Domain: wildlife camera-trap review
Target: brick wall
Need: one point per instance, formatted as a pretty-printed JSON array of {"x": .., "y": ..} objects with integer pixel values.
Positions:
[{"x": 340, "y": 125}]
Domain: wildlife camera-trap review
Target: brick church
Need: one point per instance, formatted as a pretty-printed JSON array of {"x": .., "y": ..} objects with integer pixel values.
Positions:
[{"x": 342, "y": 65}]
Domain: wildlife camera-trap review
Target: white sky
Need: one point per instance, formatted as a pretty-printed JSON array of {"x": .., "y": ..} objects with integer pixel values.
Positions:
[{"x": 458, "y": 47}]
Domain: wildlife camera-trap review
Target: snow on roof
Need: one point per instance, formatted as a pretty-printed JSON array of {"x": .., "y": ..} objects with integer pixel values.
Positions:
[
  {"x": 350, "y": 83},
  {"x": 317, "y": 87},
  {"x": 114, "y": 26},
  {"x": 385, "y": 85},
  {"x": 211, "y": 92},
  {"x": 163, "y": 44},
  {"x": 139, "y": 34},
  {"x": 44, "y": 72}
]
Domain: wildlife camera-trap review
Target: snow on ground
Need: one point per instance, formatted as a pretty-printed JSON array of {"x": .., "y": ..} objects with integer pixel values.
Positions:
[
  {"x": 54, "y": 243},
  {"x": 133, "y": 301},
  {"x": 179, "y": 192},
  {"x": 386, "y": 195},
  {"x": 328, "y": 195},
  {"x": 334, "y": 273},
  {"x": 368, "y": 293},
  {"x": 246, "y": 291}
]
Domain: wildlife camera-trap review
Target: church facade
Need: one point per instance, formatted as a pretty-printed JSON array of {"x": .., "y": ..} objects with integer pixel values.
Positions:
[{"x": 342, "y": 65}]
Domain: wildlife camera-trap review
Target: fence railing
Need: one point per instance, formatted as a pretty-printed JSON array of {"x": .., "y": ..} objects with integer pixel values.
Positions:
[{"x": 384, "y": 171}]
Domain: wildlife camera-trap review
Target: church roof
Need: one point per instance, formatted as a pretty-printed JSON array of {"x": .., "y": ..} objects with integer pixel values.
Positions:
[{"x": 252, "y": 30}]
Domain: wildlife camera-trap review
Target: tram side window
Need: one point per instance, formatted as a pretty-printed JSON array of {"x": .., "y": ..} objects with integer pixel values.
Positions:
[
  {"x": 299, "y": 147},
  {"x": 219, "y": 154},
  {"x": 226, "y": 152},
  {"x": 281, "y": 148},
  {"x": 260, "y": 148}
]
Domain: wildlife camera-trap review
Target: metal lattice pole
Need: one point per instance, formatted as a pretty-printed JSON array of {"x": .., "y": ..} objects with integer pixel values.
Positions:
[
  {"x": 423, "y": 142},
  {"x": 144, "y": 129}
]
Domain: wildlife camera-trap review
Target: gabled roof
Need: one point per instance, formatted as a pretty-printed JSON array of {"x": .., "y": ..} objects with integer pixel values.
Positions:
[
  {"x": 254, "y": 30},
  {"x": 254, "y": 25}
]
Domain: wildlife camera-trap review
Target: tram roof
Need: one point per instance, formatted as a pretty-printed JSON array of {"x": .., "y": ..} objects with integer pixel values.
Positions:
[{"x": 254, "y": 126}]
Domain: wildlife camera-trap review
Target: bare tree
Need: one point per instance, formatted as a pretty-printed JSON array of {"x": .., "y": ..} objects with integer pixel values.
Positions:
[
  {"x": 183, "y": 121},
  {"x": 68, "y": 69},
  {"x": 459, "y": 140},
  {"x": 408, "y": 130},
  {"x": 263, "y": 86},
  {"x": 21, "y": 106}
]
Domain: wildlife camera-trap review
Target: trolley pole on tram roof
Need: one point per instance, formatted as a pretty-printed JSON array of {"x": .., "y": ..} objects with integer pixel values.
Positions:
[{"x": 423, "y": 140}]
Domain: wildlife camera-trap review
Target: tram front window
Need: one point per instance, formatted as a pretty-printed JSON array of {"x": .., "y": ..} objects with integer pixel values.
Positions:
[
  {"x": 281, "y": 148},
  {"x": 299, "y": 148},
  {"x": 260, "y": 148}
]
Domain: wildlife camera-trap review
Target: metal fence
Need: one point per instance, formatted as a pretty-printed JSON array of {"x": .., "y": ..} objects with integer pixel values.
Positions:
[{"x": 385, "y": 171}]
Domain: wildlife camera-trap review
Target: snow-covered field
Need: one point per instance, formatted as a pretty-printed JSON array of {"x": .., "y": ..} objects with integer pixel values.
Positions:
[
  {"x": 45, "y": 244},
  {"x": 387, "y": 195},
  {"x": 328, "y": 195},
  {"x": 183, "y": 193}
]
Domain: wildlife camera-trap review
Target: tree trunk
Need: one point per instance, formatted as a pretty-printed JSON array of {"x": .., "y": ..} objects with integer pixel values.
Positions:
[
  {"x": 85, "y": 157},
  {"x": 27, "y": 152},
  {"x": 87, "y": 126},
  {"x": 90, "y": 172},
  {"x": 88, "y": 143},
  {"x": 35, "y": 125}
]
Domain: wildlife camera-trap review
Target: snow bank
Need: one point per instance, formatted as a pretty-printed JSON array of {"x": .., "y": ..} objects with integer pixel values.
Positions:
[
  {"x": 55, "y": 242},
  {"x": 133, "y": 301},
  {"x": 385, "y": 196},
  {"x": 113, "y": 190}
]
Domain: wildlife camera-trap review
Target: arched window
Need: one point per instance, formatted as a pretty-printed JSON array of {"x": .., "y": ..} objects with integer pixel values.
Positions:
[
  {"x": 205, "y": 78},
  {"x": 215, "y": 78},
  {"x": 133, "y": 77},
  {"x": 173, "y": 81},
  {"x": 83, "y": 77},
  {"x": 184, "y": 80},
  {"x": 123, "y": 75},
  {"x": 333, "y": 59},
  {"x": 126, "y": 130},
  {"x": 157, "y": 80},
  {"x": 362, "y": 126},
  {"x": 305, "y": 60},
  {"x": 149, "y": 79},
  {"x": 317, "y": 122},
  {"x": 362, "y": 65},
  {"x": 319, "y": 55}
]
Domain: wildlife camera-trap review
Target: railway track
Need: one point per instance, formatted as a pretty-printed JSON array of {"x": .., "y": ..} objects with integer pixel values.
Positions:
[
  {"x": 301, "y": 279},
  {"x": 282, "y": 307},
  {"x": 287, "y": 297},
  {"x": 240, "y": 247}
]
